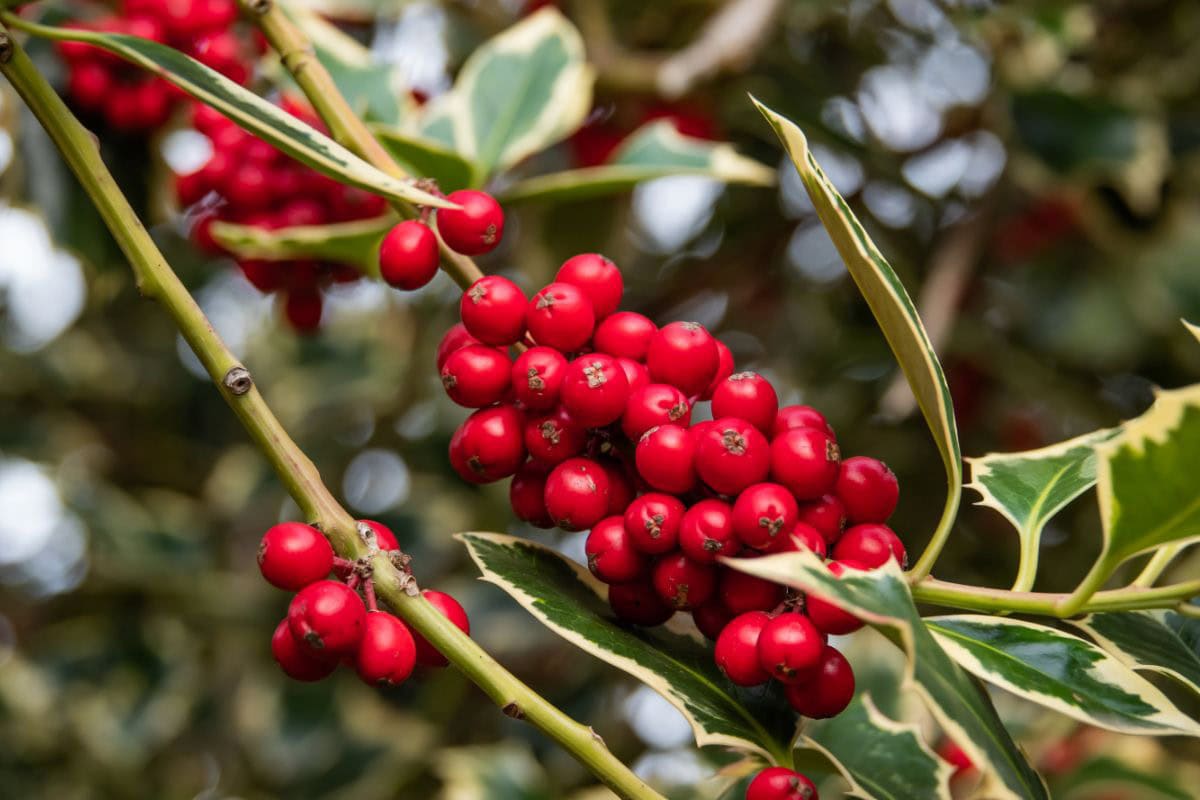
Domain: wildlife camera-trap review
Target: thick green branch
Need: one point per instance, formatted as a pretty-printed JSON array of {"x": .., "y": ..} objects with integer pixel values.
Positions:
[
  {"x": 298, "y": 473},
  {"x": 977, "y": 598}
]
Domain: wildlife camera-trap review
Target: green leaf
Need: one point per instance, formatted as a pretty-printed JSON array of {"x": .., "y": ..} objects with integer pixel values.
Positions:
[
  {"x": 881, "y": 598},
  {"x": 565, "y": 597},
  {"x": 429, "y": 159},
  {"x": 519, "y": 93},
  {"x": 1071, "y": 133},
  {"x": 893, "y": 310},
  {"x": 1030, "y": 487},
  {"x": 1150, "y": 641},
  {"x": 1107, "y": 777},
  {"x": 879, "y": 757},
  {"x": 1060, "y": 671},
  {"x": 265, "y": 120},
  {"x": 654, "y": 150},
  {"x": 355, "y": 243}
]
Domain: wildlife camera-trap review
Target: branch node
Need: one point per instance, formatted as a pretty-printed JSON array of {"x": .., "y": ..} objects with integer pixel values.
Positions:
[
  {"x": 238, "y": 381},
  {"x": 513, "y": 710},
  {"x": 260, "y": 7},
  {"x": 599, "y": 739},
  {"x": 6, "y": 48}
]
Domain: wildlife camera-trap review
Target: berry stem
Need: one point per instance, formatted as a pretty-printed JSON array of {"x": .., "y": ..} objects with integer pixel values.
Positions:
[
  {"x": 369, "y": 591},
  {"x": 298, "y": 473},
  {"x": 298, "y": 57}
]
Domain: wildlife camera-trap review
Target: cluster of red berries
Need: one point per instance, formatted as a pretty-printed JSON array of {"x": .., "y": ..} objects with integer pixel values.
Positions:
[
  {"x": 127, "y": 97},
  {"x": 408, "y": 254},
  {"x": 250, "y": 182},
  {"x": 329, "y": 623},
  {"x": 593, "y": 421}
]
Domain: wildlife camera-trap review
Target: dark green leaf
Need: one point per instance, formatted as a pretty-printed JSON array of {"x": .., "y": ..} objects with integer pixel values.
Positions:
[{"x": 1154, "y": 641}]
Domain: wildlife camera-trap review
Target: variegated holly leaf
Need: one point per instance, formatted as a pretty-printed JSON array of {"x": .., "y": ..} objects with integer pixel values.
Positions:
[
  {"x": 1194, "y": 329},
  {"x": 879, "y": 757},
  {"x": 1030, "y": 487},
  {"x": 521, "y": 92},
  {"x": 881, "y": 599},
  {"x": 1150, "y": 641},
  {"x": 429, "y": 159},
  {"x": 355, "y": 243},
  {"x": 1060, "y": 671},
  {"x": 654, "y": 150},
  {"x": 894, "y": 312},
  {"x": 566, "y": 598},
  {"x": 265, "y": 120}
]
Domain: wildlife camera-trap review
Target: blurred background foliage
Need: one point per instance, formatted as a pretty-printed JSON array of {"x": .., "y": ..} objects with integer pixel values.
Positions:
[{"x": 1029, "y": 168}]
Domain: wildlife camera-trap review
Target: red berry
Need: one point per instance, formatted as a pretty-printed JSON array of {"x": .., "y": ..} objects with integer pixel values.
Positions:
[
  {"x": 666, "y": 459},
  {"x": 292, "y": 555},
  {"x": 652, "y": 522},
  {"x": 635, "y": 372},
  {"x": 827, "y": 515},
  {"x": 448, "y": 607},
  {"x": 711, "y": 618},
  {"x": 474, "y": 229},
  {"x": 724, "y": 370},
  {"x": 599, "y": 278},
  {"x": 493, "y": 310},
  {"x": 805, "y": 461},
  {"x": 385, "y": 539},
  {"x": 707, "y": 532},
  {"x": 386, "y": 654},
  {"x": 620, "y": 487},
  {"x": 302, "y": 309},
  {"x": 639, "y": 604},
  {"x": 802, "y": 537},
  {"x": 611, "y": 555},
  {"x": 683, "y": 583},
  {"x": 790, "y": 417},
  {"x": 952, "y": 753},
  {"x": 537, "y": 377},
  {"x": 408, "y": 255},
  {"x": 527, "y": 495},
  {"x": 595, "y": 390},
  {"x": 553, "y": 438},
  {"x": 625, "y": 334},
  {"x": 297, "y": 661},
  {"x": 828, "y": 617},
  {"x": 477, "y": 376},
  {"x": 684, "y": 355},
  {"x": 762, "y": 512},
  {"x": 789, "y": 647},
  {"x": 561, "y": 316},
  {"x": 780, "y": 783},
  {"x": 868, "y": 489},
  {"x": 327, "y": 617},
  {"x": 741, "y": 592},
  {"x": 828, "y": 689},
  {"x": 748, "y": 396},
  {"x": 577, "y": 494},
  {"x": 489, "y": 445},
  {"x": 453, "y": 340},
  {"x": 655, "y": 404},
  {"x": 736, "y": 652},
  {"x": 871, "y": 545},
  {"x": 732, "y": 455}
]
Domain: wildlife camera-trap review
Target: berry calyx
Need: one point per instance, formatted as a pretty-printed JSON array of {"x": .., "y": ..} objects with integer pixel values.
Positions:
[
  {"x": 762, "y": 513},
  {"x": 655, "y": 404},
  {"x": 408, "y": 255},
  {"x": 652, "y": 522},
  {"x": 611, "y": 556},
  {"x": 684, "y": 355},
  {"x": 625, "y": 334},
  {"x": 806, "y": 461},
  {"x": 868, "y": 489},
  {"x": 871, "y": 545},
  {"x": 327, "y": 617},
  {"x": 475, "y": 228},
  {"x": 386, "y": 653},
  {"x": 682, "y": 583},
  {"x": 706, "y": 532},
  {"x": 789, "y": 647},
  {"x": 577, "y": 494},
  {"x": 780, "y": 783},
  {"x": 537, "y": 377},
  {"x": 731, "y": 455},
  {"x": 595, "y": 390},
  {"x": 477, "y": 376},
  {"x": 639, "y": 604},
  {"x": 561, "y": 316},
  {"x": 448, "y": 607},
  {"x": 598, "y": 278},
  {"x": 736, "y": 651},
  {"x": 748, "y": 396},
  {"x": 553, "y": 438},
  {"x": 827, "y": 690},
  {"x": 493, "y": 310},
  {"x": 665, "y": 458},
  {"x": 292, "y": 555},
  {"x": 297, "y": 661}
]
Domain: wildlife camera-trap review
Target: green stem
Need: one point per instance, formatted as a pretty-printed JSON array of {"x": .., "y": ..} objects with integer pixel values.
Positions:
[
  {"x": 978, "y": 598},
  {"x": 157, "y": 280},
  {"x": 1027, "y": 570},
  {"x": 1157, "y": 565},
  {"x": 1099, "y": 573},
  {"x": 932, "y": 550}
]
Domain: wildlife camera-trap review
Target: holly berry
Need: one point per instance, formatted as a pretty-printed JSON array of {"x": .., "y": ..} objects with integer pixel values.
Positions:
[
  {"x": 561, "y": 316},
  {"x": 762, "y": 513},
  {"x": 871, "y": 545},
  {"x": 599, "y": 278},
  {"x": 868, "y": 489},
  {"x": 595, "y": 390},
  {"x": 652, "y": 405},
  {"x": 829, "y": 617},
  {"x": 297, "y": 661},
  {"x": 448, "y": 607},
  {"x": 736, "y": 651},
  {"x": 477, "y": 376},
  {"x": 577, "y": 494},
  {"x": 638, "y": 603},
  {"x": 635, "y": 372},
  {"x": 790, "y": 417},
  {"x": 625, "y": 334},
  {"x": 780, "y": 783},
  {"x": 527, "y": 495},
  {"x": 452, "y": 341},
  {"x": 493, "y": 310},
  {"x": 653, "y": 521},
  {"x": 711, "y": 618},
  {"x": 748, "y": 396},
  {"x": 386, "y": 653},
  {"x": 741, "y": 592},
  {"x": 489, "y": 445},
  {"x": 292, "y": 555},
  {"x": 827, "y": 515},
  {"x": 408, "y": 255},
  {"x": 684, "y": 355},
  {"x": 327, "y": 617},
  {"x": 620, "y": 487},
  {"x": 553, "y": 438},
  {"x": 683, "y": 583},
  {"x": 611, "y": 555},
  {"x": 475, "y": 228},
  {"x": 385, "y": 538},
  {"x": 789, "y": 647},
  {"x": 302, "y": 309},
  {"x": 801, "y": 537},
  {"x": 731, "y": 455},
  {"x": 665, "y": 459},
  {"x": 724, "y": 369},
  {"x": 828, "y": 689},
  {"x": 706, "y": 532},
  {"x": 537, "y": 377},
  {"x": 806, "y": 461}
]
